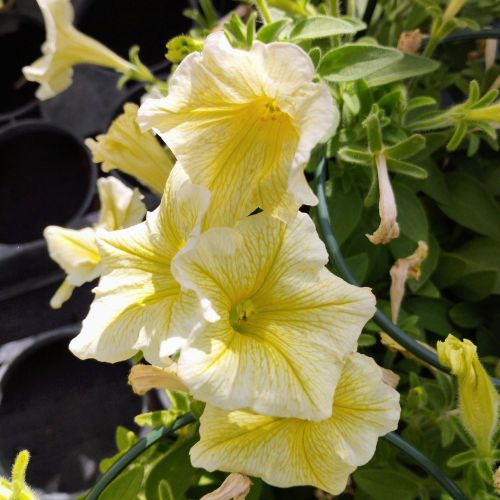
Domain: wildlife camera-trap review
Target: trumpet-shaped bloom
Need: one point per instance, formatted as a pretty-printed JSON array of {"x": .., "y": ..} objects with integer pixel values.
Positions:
[
  {"x": 129, "y": 150},
  {"x": 243, "y": 123},
  {"x": 290, "y": 452},
  {"x": 65, "y": 47},
  {"x": 278, "y": 323},
  {"x": 138, "y": 304},
  {"x": 75, "y": 250},
  {"x": 478, "y": 397}
]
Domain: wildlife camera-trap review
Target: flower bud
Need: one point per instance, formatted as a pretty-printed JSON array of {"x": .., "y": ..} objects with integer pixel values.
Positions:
[
  {"x": 478, "y": 398},
  {"x": 181, "y": 46}
]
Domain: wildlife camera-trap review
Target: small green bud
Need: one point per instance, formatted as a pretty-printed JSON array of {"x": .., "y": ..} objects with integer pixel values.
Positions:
[
  {"x": 417, "y": 397},
  {"x": 181, "y": 46}
]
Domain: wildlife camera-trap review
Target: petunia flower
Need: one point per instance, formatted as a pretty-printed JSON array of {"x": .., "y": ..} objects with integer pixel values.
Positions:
[
  {"x": 65, "y": 47},
  {"x": 478, "y": 397},
  {"x": 75, "y": 250},
  {"x": 278, "y": 323},
  {"x": 138, "y": 303},
  {"x": 243, "y": 123},
  {"x": 126, "y": 148},
  {"x": 288, "y": 452}
]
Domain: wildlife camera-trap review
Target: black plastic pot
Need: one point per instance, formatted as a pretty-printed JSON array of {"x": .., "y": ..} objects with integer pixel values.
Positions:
[
  {"x": 64, "y": 410},
  {"x": 46, "y": 177},
  {"x": 120, "y": 24},
  {"x": 21, "y": 38}
]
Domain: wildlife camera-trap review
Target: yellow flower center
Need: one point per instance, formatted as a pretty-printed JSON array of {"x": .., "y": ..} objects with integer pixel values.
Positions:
[
  {"x": 240, "y": 315},
  {"x": 270, "y": 110}
]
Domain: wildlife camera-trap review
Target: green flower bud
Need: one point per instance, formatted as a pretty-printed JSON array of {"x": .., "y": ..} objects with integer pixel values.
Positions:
[
  {"x": 478, "y": 398},
  {"x": 181, "y": 46}
]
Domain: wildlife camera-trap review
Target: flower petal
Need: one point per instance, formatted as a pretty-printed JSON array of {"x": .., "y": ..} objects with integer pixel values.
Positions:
[
  {"x": 292, "y": 452},
  {"x": 255, "y": 122},
  {"x": 120, "y": 206},
  {"x": 278, "y": 323},
  {"x": 126, "y": 148},
  {"x": 138, "y": 304}
]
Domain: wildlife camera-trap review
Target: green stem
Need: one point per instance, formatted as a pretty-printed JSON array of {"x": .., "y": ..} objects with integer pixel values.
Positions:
[
  {"x": 264, "y": 11},
  {"x": 337, "y": 258},
  {"x": 125, "y": 460},
  {"x": 426, "y": 464},
  {"x": 335, "y": 12}
]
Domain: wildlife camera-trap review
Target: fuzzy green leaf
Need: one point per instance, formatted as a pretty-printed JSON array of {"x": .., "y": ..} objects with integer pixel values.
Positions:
[{"x": 354, "y": 61}]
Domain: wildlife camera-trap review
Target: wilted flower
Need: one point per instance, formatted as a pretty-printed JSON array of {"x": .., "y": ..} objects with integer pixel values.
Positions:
[
  {"x": 478, "y": 398},
  {"x": 75, "y": 250},
  {"x": 243, "y": 124},
  {"x": 404, "y": 269},
  {"x": 143, "y": 378},
  {"x": 388, "y": 228},
  {"x": 235, "y": 486},
  {"x": 138, "y": 304},
  {"x": 278, "y": 323},
  {"x": 65, "y": 47},
  {"x": 291, "y": 452},
  {"x": 129, "y": 150}
]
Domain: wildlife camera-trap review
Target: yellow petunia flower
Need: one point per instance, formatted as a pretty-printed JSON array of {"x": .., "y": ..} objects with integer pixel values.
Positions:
[
  {"x": 138, "y": 304},
  {"x": 243, "y": 123},
  {"x": 477, "y": 396},
  {"x": 278, "y": 323},
  {"x": 129, "y": 150},
  {"x": 65, "y": 47},
  {"x": 288, "y": 452},
  {"x": 75, "y": 250}
]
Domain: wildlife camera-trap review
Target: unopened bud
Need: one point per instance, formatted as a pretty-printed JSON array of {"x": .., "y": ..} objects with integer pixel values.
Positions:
[
  {"x": 181, "y": 46},
  {"x": 478, "y": 398}
]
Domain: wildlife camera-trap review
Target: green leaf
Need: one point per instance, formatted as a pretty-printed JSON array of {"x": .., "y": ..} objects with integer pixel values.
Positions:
[
  {"x": 358, "y": 264},
  {"x": 465, "y": 315},
  {"x": 366, "y": 340},
  {"x": 175, "y": 468},
  {"x": 356, "y": 156},
  {"x": 315, "y": 27},
  {"x": 432, "y": 314},
  {"x": 271, "y": 32},
  {"x": 345, "y": 207},
  {"x": 476, "y": 286},
  {"x": 315, "y": 55},
  {"x": 354, "y": 61},
  {"x": 435, "y": 185},
  {"x": 126, "y": 486},
  {"x": 405, "y": 168},
  {"x": 382, "y": 484},
  {"x": 157, "y": 418},
  {"x": 412, "y": 218},
  {"x": 407, "y": 148},
  {"x": 462, "y": 458},
  {"x": 407, "y": 66},
  {"x": 471, "y": 205}
]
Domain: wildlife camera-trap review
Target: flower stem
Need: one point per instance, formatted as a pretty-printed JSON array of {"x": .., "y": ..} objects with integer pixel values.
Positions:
[
  {"x": 264, "y": 11},
  {"x": 125, "y": 460},
  {"x": 426, "y": 464}
]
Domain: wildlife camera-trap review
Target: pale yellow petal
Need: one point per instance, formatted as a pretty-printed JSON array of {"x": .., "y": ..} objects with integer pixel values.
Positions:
[
  {"x": 75, "y": 250},
  {"x": 138, "y": 304},
  {"x": 63, "y": 293},
  {"x": 255, "y": 121},
  {"x": 121, "y": 206},
  {"x": 126, "y": 148},
  {"x": 292, "y": 452},
  {"x": 65, "y": 47},
  {"x": 278, "y": 323}
]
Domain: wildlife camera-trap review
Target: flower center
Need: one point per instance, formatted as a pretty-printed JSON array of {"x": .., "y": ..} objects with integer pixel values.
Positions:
[
  {"x": 271, "y": 110},
  {"x": 240, "y": 315}
]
